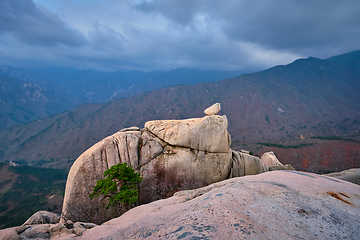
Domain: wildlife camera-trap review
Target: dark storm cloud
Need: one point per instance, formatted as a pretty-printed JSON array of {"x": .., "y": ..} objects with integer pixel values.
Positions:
[
  {"x": 164, "y": 34},
  {"x": 284, "y": 25},
  {"x": 103, "y": 37},
  {"x": 296, "y": 24},
  {"x": 35, "y": 25},
  {"x": 179, "y": 11}
]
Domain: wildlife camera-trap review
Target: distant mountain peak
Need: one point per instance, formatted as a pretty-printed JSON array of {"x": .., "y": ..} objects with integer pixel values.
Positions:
[{"x": 349, "y": 59}]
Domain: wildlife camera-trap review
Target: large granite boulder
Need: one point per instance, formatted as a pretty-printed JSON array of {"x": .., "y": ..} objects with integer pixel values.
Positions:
[{"x": 171, "y": 155}]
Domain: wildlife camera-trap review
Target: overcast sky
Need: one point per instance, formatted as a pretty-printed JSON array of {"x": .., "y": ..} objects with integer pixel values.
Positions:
[{"x": 149, "y": 35}]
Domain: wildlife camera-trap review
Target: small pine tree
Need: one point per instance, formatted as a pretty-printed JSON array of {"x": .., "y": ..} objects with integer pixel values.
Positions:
[{"x": 119, "y": 185}]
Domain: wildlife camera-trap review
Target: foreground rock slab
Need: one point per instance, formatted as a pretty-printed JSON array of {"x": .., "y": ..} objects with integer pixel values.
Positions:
[{"x": 271, "y": 205}]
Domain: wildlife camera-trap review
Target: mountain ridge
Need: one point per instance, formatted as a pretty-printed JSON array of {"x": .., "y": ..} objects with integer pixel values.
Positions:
[
  {"x": 71, "y": 87},
  {"x": 22, "y": 102},
  {"x": 305, "y": 99}
]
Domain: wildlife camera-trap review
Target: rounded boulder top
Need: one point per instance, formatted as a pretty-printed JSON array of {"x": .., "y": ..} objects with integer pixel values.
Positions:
[{"x": 213, "y": 110}]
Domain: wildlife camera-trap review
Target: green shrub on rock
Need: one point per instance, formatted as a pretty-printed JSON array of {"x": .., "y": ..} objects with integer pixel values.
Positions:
[{"x": 118, "y": 186}]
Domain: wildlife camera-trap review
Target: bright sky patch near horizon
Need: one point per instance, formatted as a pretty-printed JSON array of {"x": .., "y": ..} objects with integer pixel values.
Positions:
[{"x": 147, "y": 35}]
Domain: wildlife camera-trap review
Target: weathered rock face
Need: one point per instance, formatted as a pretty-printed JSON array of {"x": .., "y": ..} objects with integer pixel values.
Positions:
[
  {"x": 89, "y": 167},
  {"x": 182, "y": 168},
  {"x": 171, "y": 155},
  {"x": 46, "y": 231},
  {"x": 272, "y": 205},
  {"x": 42, "y": 217},
  {"x": 207, "y": 134}
]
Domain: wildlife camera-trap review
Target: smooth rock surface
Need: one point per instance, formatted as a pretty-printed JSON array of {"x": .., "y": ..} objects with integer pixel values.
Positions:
[
  {"x": 272, "y": 205},
  {"x": 213, "y": 110},
  {"x": 351, "y": 175}
]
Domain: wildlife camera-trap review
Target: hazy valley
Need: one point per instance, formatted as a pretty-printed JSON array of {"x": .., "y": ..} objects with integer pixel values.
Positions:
[{"x": 27, "y": 95}]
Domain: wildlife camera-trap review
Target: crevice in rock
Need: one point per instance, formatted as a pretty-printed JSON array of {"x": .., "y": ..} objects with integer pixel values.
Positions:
[{"x": 117, "y": 150}]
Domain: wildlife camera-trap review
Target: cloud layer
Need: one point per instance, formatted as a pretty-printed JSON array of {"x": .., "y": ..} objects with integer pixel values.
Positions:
[
  {"x": 162, "y": 34},
  {"x": 35, "y": 25}
]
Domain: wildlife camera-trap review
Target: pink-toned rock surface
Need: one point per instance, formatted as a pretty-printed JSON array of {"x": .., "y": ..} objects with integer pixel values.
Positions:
[{"x": 271, "y": 205}]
